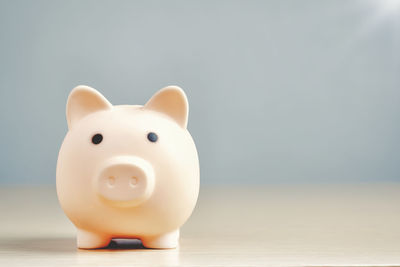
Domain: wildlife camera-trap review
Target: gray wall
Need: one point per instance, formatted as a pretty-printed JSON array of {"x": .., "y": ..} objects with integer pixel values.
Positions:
[{"x": 279, "y": 91}]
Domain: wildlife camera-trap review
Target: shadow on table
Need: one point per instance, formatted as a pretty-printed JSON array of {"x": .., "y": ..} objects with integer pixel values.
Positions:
[
  {"x": 63, "y": 245},
  {"x": 48, "y": 252}
]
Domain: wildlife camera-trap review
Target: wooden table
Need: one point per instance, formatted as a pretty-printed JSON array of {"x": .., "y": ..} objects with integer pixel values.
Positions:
[{"x": 328, "y": 225}]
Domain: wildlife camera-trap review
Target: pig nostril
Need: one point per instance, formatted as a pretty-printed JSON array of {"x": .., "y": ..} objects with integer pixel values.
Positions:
[
  {"x": 133, "y": 181},
  {"x": 111, "y": 181}
]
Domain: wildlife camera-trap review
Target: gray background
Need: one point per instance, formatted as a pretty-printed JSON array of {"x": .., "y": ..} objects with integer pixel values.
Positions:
[{"x": 279, "y": 91}]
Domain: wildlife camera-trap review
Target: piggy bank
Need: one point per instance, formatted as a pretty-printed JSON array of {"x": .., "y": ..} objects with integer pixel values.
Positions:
[{"x": 127, "y": 171}]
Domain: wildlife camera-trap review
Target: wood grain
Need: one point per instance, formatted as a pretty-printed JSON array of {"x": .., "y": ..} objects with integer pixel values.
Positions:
[{"x": 322, "y": 225}]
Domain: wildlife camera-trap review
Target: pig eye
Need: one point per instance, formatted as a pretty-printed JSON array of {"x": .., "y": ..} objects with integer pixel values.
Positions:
[
  {"x": 152, "y": 137},
  {"x": 97, "y": 138}
]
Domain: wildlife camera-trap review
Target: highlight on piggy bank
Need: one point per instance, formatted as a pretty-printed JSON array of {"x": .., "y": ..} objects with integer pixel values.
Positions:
[{"x": 127, "y": 171}]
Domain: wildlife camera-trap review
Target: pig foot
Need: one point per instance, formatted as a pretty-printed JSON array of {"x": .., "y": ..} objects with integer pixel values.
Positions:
[
  {"x": 90, "y": 240},
  {"x": 168, "y": 240}
]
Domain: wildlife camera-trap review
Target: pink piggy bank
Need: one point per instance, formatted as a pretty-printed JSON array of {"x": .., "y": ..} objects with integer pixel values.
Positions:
[{"x": 127, "y": 171}]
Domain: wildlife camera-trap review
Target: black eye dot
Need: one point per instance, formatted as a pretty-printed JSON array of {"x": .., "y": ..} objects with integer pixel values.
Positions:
[
  {"x": 152, "y": 137},
  {"x": 97, "y": 138}
]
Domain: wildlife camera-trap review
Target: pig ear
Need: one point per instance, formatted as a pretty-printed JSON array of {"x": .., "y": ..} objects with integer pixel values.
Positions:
[
  {"x": 82, "y": 101},
  {"x": 171, "y": 101}
]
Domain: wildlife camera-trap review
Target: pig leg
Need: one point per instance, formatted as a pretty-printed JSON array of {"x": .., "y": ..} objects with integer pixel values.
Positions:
[
  {"x": 168, "y": 240},
  {"x": 90, "y": 240}
]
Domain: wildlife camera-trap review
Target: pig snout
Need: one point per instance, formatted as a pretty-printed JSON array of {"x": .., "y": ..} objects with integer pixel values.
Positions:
[{"x": 125, "y": 181}]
